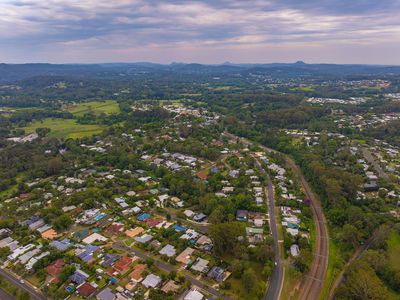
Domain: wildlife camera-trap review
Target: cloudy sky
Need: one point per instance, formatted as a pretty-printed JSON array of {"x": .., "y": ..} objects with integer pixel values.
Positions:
[{"x": 210, "y": 31}]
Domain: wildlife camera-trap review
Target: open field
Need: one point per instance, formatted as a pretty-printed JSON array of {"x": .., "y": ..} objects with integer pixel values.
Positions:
[
  {"x": 394, "y": 250},
  {"x": 66, "y": 128},
  {"x": 335, "y": 264},
  {"x": 107, "y": 107}
]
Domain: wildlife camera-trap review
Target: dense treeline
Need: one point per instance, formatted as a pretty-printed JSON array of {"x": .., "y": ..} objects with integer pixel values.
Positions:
[
  {"x": 389, "y": 132},
  {"x": 291, "y": 117},
  {"x": 373, "y": 275}
]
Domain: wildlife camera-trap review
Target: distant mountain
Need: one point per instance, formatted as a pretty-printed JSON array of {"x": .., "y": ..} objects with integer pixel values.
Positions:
[{"x": 15, "y": 72}]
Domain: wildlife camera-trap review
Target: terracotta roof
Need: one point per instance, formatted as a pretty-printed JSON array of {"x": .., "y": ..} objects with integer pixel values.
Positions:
[
  {"x": 54, "y": 269},
  {"x": 137, "y": 272},
  {"x": 50, "y": 234},
  {"x": 121, "y": 267},
  {"x": 153, "y": 222},
  {"x": 86, "y": 290},
  {"x": 202, "y": 175},
  {"x": 115, "y": 228}
]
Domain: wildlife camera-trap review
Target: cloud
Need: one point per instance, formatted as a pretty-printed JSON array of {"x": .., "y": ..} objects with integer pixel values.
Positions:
[{"x": 65, "y": 30}]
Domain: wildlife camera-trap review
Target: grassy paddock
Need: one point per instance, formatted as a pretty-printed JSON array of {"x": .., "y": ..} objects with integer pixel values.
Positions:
[
  {"x": 394, "y": 250},
  {"x": 335, "y": 265},
  {"x": 64, "y": 128},
  {"x": 107, "y": 107}
]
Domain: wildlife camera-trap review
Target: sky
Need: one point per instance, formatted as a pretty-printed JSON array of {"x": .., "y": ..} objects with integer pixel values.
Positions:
[{"x": 209, "y": 31}]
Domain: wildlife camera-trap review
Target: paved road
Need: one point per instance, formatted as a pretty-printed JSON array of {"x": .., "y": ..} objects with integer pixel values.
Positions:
[
  {"x": 5, "y": 296},
  {"x": 168, "y": 268},
  {"x": 368, "y": 156},
  {"x": 35, "y": 294},
  {"x": 277, "y": 277},
  {"x": 276, "y": 280},
  {"x": 312, "y": 283}
]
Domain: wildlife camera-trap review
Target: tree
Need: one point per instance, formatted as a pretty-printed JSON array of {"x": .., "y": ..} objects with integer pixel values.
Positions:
[
  {"x": 225, "y": 236},
  {"x": 350, "y": 236},
  {"x": 380, "y": 237},
  {"x": 62, "y": 222},
  {"x": 362, "y": 283},
  {"x": 249, "y": 280},
  {"x": 24, "y": 296},
  {"x": 265, "y": 252},
  {"x": 237, "y": 268},
  {"x": 66, "y": 272},
  {"x": 42, "y": 132},
  {"x": 4, "y": 252},
  {"x": 54, "y": 166}
]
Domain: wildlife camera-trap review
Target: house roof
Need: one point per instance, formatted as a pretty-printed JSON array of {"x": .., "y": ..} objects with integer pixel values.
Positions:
[
  {"x": 50, "y": 234},
  {"x": 137, "y": 272},
  {"x": 79, "y": 277},
  {"x": 194, "y": 295},
  {"x": 54, "y": 269},
  {"x": 134, "y": 232},
  {"x": 202, "y": 175},
  {"x": 184, "y": 256},
  {"x": 106, "y": 294},
  {"x": 121, "y": 267},
  {"x": 200, "y": 265},
  {"x": 143, "y": 217},
  {"x": 86, "y": 289},
  {"x": 61, "y": 245},
  {"x": 170, "y": 286},
  {"x": 115, "y": 228},
  {"x": 144, "y": 238},
  {"x": 94, "y": 237},
  {"x": 168, "y": 250},
  {"x": 151, "y": 281},
  {"x": 81, "y": 234},
  {"x": 109, "y": 259},
  {"x": 153, "y": 222}
]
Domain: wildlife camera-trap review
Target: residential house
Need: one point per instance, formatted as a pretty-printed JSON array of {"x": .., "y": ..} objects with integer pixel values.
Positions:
[
  {"x": 54, "y": 270},
  {"x": 170, "y": 286},
  {"x": 193, "y": 295},
  {"x": 137, "y": 272},
  {"x": 134, "y": 232},
  {"x": 168, "y": 250},
  {"x": 200, "y": 265},
  {"x": 151, "y": 281},
  {"x": 86, "y": 290},
  {"x": 106, "y": 294},
  {"x": 185, "y": 256},
  {"x": 79, "y": 277}
]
